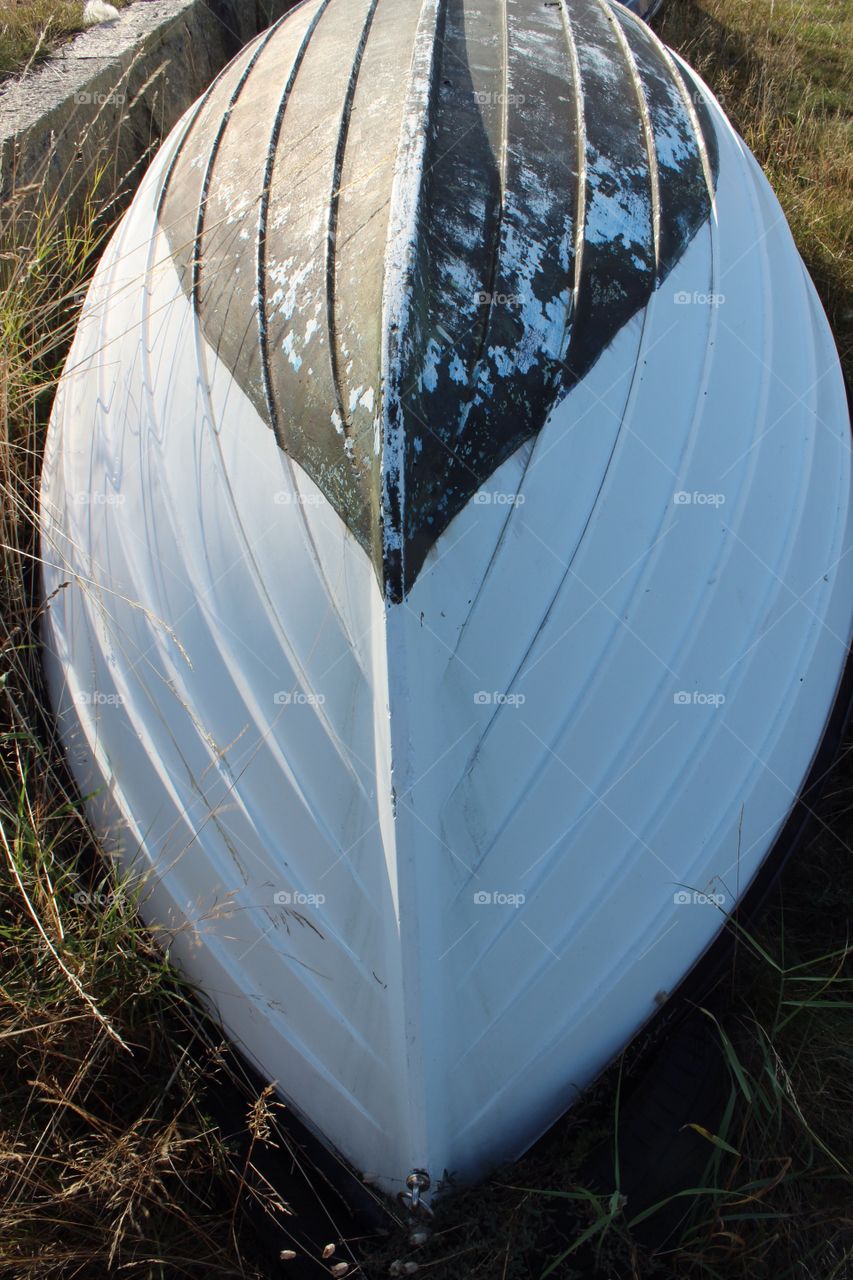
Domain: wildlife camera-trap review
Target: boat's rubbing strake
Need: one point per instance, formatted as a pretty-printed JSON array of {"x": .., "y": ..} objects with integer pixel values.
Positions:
[
  {"x": 504, "y": 188},
  {"x": 646, "y": 9}
]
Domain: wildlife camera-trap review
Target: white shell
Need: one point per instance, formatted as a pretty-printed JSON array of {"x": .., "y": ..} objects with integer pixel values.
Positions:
[{"x": 430, "y": 862}]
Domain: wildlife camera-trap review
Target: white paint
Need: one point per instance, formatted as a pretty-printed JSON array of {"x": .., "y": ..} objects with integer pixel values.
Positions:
[
  {"x": 288, "y": 348},
  {"x": 592, "y": 701}
]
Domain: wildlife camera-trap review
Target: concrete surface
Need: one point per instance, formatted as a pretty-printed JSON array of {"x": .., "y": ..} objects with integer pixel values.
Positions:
[{"x": 108, "y": 97}]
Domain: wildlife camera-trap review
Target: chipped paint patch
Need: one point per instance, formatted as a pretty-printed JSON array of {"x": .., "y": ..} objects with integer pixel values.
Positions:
[{"x": 550, "y": 166}]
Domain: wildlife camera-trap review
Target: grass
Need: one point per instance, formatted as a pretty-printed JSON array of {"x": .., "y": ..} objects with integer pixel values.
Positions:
[
  {"x": 31, "y": 29},
  {"x": 106, "y": 1160},
  {"x": 110, "y": 1161},
  {"x": 783, "y": 70},
  {"x": 772, "y": 1195}
]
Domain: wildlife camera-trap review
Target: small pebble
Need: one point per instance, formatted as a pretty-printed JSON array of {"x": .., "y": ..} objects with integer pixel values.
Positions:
[{"x": 287, "y": 1255}]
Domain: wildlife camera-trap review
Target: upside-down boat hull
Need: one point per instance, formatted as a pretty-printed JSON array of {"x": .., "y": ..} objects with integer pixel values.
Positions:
[
  {"x": 645, "y": 9},
  {"x": 437, "y": 787}
]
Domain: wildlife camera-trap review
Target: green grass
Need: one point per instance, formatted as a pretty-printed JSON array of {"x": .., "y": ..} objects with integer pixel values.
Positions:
[
  {"x": 109, "y": 1163},
  {"x": 783, "y": 69},
  {"x": 774, "y": 1198},
  {"x": 31, "y": 29}
]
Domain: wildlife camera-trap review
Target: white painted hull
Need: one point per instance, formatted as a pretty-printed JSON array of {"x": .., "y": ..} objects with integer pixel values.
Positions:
[
  {"x": 645, "y": 9},
  {"x": 597, "y": 703}
]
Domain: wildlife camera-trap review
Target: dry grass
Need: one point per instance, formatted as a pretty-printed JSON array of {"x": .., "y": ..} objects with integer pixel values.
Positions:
[
  {"x": 783, "y": 70},
  {"x": 28, "y": 31},
  {"x": 109, "y": 1163},
  {"x": 778, "y": 1195},
  {"x": 31, "y": 29}
]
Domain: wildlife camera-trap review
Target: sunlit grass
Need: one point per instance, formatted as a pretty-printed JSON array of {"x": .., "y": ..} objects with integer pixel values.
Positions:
[
  {"x": 31, "y": 29},
  {"x": 107, "y": 1160},
  {"x": 783, "y": 70}
]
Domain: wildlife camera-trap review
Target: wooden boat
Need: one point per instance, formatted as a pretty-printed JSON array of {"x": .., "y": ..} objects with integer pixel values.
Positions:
[
  {"x": 645, "y": 9},
  {"x": 450, "y": 485}
]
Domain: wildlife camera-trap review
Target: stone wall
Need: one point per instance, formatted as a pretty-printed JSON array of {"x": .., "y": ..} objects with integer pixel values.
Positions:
[{"x": 106, "y": 99}]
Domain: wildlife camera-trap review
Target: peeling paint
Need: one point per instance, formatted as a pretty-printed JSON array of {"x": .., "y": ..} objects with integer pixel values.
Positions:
[{"x": 551, "y": 168}]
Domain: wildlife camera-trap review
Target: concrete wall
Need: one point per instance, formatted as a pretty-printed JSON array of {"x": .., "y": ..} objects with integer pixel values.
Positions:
[{"x": 108, "y": 97}]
